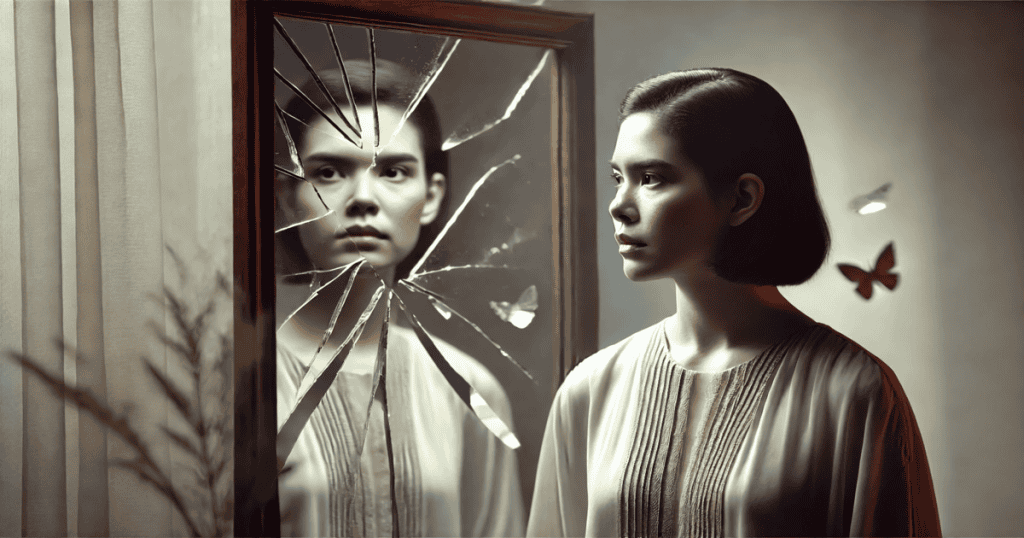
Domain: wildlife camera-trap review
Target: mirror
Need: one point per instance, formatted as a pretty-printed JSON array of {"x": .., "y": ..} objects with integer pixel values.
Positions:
[{"x": 423, "y": 269}]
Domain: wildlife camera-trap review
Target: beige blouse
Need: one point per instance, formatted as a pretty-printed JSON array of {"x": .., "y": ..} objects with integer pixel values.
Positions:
[
  {"x": 452, "y": 478},
  {"x": 813, "y": 437}
]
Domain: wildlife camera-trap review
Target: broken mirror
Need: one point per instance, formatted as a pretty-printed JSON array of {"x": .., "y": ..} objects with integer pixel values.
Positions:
[{"x": 420, "y": 267}]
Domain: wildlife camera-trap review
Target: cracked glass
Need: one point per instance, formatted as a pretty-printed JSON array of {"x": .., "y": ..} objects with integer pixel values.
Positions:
[{"x": 392, "y": 242}]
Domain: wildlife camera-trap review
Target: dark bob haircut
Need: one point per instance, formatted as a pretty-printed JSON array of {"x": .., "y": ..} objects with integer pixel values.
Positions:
[
  {"x": 730, "y": 123},
  {"x": 395, "y": 86}
]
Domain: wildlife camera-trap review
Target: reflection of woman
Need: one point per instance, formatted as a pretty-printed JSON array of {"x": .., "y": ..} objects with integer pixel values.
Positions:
[
  {"x": 738, "y": 415},
  {"x": 452, "y": 476}
]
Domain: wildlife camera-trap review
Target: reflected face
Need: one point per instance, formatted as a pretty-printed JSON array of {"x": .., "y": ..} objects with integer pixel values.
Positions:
[
  {"x": 379, "y": 204},
  {"x": 666, "y": 222}
]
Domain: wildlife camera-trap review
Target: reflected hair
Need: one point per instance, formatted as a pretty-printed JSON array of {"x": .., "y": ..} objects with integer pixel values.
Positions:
[
  {"x": 729, "y": 123},
  {"x": 395, "y": 86}
]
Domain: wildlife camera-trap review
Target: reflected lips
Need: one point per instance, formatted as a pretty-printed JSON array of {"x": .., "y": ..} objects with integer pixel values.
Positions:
[
  {"x": 629, "y": 246},
  {"x": 362, "y": 238},
  {"x": 362, "y": 232}
]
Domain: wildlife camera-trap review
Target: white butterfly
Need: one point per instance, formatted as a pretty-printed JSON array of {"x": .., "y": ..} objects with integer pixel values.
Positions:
[{"x": 520, "y": 313}]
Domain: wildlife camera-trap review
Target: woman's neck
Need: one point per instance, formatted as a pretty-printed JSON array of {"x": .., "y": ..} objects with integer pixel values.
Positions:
[{"x": 720, "y": 324}]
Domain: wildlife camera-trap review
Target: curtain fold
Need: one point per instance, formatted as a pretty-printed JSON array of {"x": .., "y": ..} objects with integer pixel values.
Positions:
[
  {"x": 92, "y": 472},
  {"x": 10, "y": 283},
  {"x": 146, "y": 136},
  {"x": 44, "y": 507}
]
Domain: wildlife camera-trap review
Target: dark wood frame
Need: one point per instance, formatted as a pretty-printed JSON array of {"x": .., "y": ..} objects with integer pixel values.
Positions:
[{"x": 571, "y": 35}]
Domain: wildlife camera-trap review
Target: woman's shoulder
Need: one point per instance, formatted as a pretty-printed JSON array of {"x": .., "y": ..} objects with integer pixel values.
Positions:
[
  {"x": 827, "y": 358},
  {"x": 610, "y": 365}
]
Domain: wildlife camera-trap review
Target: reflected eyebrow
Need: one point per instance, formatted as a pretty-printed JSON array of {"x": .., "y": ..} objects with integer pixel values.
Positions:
[
  {"x": 391, "y": 159},
  {"x": 328, "y": 158},
  {"x": 384, "y": 159}
]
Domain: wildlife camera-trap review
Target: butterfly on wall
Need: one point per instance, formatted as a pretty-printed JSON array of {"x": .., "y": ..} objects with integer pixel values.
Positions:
[
  {"x": 881, "y": 273},
  {"x": 519, "y": 313}
]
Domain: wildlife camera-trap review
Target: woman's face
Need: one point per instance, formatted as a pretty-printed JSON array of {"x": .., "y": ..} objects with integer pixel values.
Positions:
[
  {"x": 665, "y": 220},
  {"x": 379, "y": 204}
]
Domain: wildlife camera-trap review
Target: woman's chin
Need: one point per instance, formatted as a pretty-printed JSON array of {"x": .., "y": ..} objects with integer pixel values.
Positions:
[{"x": 637, "y": 272}]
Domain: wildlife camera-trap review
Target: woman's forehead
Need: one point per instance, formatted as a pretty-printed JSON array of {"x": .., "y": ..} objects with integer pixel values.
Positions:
[{"x": 642, "y": 138}]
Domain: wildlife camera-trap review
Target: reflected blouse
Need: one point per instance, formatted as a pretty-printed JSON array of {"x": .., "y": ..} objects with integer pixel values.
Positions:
[
  {"x": 452, "y": 477},
  {"x": 813, "y": 437}
]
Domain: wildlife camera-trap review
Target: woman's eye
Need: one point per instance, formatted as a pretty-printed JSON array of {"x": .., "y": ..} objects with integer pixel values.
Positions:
[
  {"x": 650, "y": 179},
  {"x": 616, "y": 178}
]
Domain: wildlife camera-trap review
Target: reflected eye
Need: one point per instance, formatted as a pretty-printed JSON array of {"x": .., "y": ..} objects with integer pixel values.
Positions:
[
  {"x": 326, "y": 174},
  {"x": 395, "y": 173}
]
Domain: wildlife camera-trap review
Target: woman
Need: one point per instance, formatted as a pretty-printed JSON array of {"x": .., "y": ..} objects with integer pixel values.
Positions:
[
  {"x": 738, "y": 415},
  {"x": 452, "y": 476}
]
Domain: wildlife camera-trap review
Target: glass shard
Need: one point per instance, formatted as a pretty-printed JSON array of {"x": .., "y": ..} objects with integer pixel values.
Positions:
[
  {"x": 441, "y": 308},
  {"x": 450, "y": 268},
  {"x": 373, "y": 85},
  {"x": 382, "y": 353},
  {"x": 287, "y": 161},
  {"x": 430, "y": 259},
  {"x": 503, "y": 74},
  {"x": 377, "y": 389},
  {"x": 478, "y": 124},
  {"x": 320, "y": 365},
  {"x": 344, "y": 74},
  {"x": 296, "y": 201},
  {"x": 464, "y": 390},
  {"x": 314, "y": 76},
  {"x": 422, "y": 56},
  {"x": 440, "y": 301},
  {"x": 317, "y": 380},
  {"x": 317, "y": 284},
  {"x": 341, "y": 302},
  {"x": 395, "y": 532},
  {"x": 301, "y": 51}
]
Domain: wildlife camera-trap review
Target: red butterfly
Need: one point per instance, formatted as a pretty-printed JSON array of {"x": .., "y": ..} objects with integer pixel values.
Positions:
[{"x": 864, "y": 279}]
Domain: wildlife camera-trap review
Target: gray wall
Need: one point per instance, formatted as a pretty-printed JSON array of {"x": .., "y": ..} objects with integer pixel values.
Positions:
[{"x": 927, "y": 96}]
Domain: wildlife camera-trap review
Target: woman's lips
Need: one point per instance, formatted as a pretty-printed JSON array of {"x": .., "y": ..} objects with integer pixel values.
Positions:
[{"x": 628, "y": 245}]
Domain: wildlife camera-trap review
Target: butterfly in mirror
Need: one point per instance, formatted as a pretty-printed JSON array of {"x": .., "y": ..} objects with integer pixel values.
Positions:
[
  {"x": 881, "y": 273},
  {"x": 520, "y": 313}
]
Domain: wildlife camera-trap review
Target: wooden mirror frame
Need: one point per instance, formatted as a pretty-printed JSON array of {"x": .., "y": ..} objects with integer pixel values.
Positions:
[{"x": 574, "y": 325}]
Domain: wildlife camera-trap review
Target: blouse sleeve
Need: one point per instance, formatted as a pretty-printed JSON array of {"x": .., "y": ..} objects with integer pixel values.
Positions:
[
  {"x": 559, "y": 505},
  {"x": 893, "y": 492},
  {"x": 492, "y": 500}
]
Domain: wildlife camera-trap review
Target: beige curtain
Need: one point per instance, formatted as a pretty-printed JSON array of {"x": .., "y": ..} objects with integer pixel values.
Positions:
[{"x": 115, "y": 140}]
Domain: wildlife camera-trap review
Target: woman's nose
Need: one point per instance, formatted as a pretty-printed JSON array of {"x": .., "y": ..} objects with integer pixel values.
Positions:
[
  {"x": 363, "y": 201},
  {"x": 622, "y": 208}
]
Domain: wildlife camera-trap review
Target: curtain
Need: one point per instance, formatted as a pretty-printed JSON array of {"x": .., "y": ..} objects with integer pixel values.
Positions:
[{"x": 115, "y": 142}]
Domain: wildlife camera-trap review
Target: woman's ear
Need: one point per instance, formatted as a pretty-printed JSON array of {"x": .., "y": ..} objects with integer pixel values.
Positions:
[
  {"x": 748, "y": 196},
  {"x": 436, "y": 187}
]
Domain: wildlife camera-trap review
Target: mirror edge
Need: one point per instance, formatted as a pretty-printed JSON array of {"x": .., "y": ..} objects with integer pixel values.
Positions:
[{"x": 571, "y": 35}]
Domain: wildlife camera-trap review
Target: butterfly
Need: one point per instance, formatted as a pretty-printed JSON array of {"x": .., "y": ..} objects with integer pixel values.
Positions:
[
  {"x": 520, "y": 313},
  {"x": 886, "y": 261}
]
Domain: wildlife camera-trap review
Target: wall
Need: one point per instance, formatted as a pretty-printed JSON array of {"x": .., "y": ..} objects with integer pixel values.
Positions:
[{"x": 926, "y": 96}]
